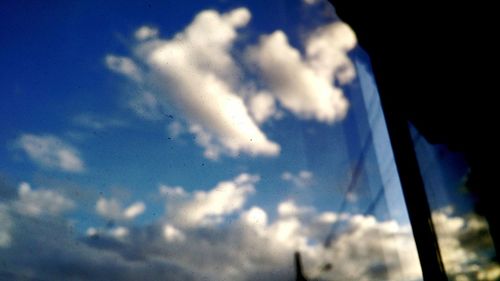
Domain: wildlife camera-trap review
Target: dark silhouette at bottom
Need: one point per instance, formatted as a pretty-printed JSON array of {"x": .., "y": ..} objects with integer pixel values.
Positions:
[{"x": 298, "y": 268}]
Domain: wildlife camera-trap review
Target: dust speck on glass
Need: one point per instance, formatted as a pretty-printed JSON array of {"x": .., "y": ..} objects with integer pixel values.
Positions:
[{"x": 194, "y": 140}]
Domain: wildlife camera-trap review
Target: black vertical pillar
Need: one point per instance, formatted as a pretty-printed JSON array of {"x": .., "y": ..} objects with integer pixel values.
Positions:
[{"x": 298, "y": 268}]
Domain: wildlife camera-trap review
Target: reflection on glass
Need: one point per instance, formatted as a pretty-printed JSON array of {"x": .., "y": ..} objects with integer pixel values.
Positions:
[
  {"x": 464, "y": 240},
  {"x": 195, "y": 141}
]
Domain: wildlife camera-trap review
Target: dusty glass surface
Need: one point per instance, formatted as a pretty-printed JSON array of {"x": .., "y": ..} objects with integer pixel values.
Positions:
[{"x": 193, "y": 140}]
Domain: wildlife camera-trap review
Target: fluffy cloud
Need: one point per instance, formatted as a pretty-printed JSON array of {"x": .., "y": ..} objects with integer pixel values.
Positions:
[
  {"x": 301, "y": 179},
  {"x": 304, "y": 85},
  {"x": 326, "y": 52},
  {"x": 51, "y": 152},
  {"x": 41, "y": 201},
  {"x": 112, "y": 209},
  {"x": 194, "y": 73},
  {"x": 209, "y": 207}
]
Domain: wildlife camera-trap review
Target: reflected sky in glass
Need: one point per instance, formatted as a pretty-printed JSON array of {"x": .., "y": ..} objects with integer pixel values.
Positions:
[
  {"x": 194, "y": 141},
  {"x": 463, "y": 235}
]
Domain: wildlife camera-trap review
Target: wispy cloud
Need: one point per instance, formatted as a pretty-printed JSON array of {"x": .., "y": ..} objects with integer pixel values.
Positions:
[
  {"x": 94, "y": 122},
  {"x": 125, "y": 66},
  {"x": 209, "y": 207},
  {"x": 302, "y": 178},
  {"x": 6, "y": 222},
  {"x": 146, "y": 106},
  {"x": 51, "y": 152},
  {"x": 112, "y": 209},
  {"x": 312, "y": 2}
]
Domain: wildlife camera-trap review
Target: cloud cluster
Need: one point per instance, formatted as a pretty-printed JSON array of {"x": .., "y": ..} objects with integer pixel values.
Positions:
[
  {"x": 225, "y": 240},
  {"x": 51, "y": 152},
  {"x": 213, "y": 234},
  {"x": 197, "y": 75},
  {"x": 194, "y": 73},
  {"x": 245, "y": 245}
]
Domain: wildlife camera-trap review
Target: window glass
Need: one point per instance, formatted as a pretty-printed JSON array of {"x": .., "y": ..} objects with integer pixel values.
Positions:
[
  {"x": 194, "y": 140},
  {"x": 463, "y": 235}
]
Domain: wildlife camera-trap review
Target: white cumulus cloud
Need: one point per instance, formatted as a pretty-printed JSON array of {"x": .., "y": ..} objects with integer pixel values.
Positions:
[
  {"x": 304, "y": 84},
  {"x": 51, "y": 152},
  {"x": 326, "y": 52},
  {"x": 194, "y": 72}
]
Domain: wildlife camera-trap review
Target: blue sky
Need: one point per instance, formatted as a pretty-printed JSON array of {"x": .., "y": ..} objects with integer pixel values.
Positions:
[
  {"x": 144, "y": 133},
  {"x": 55, "y": 80}
]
